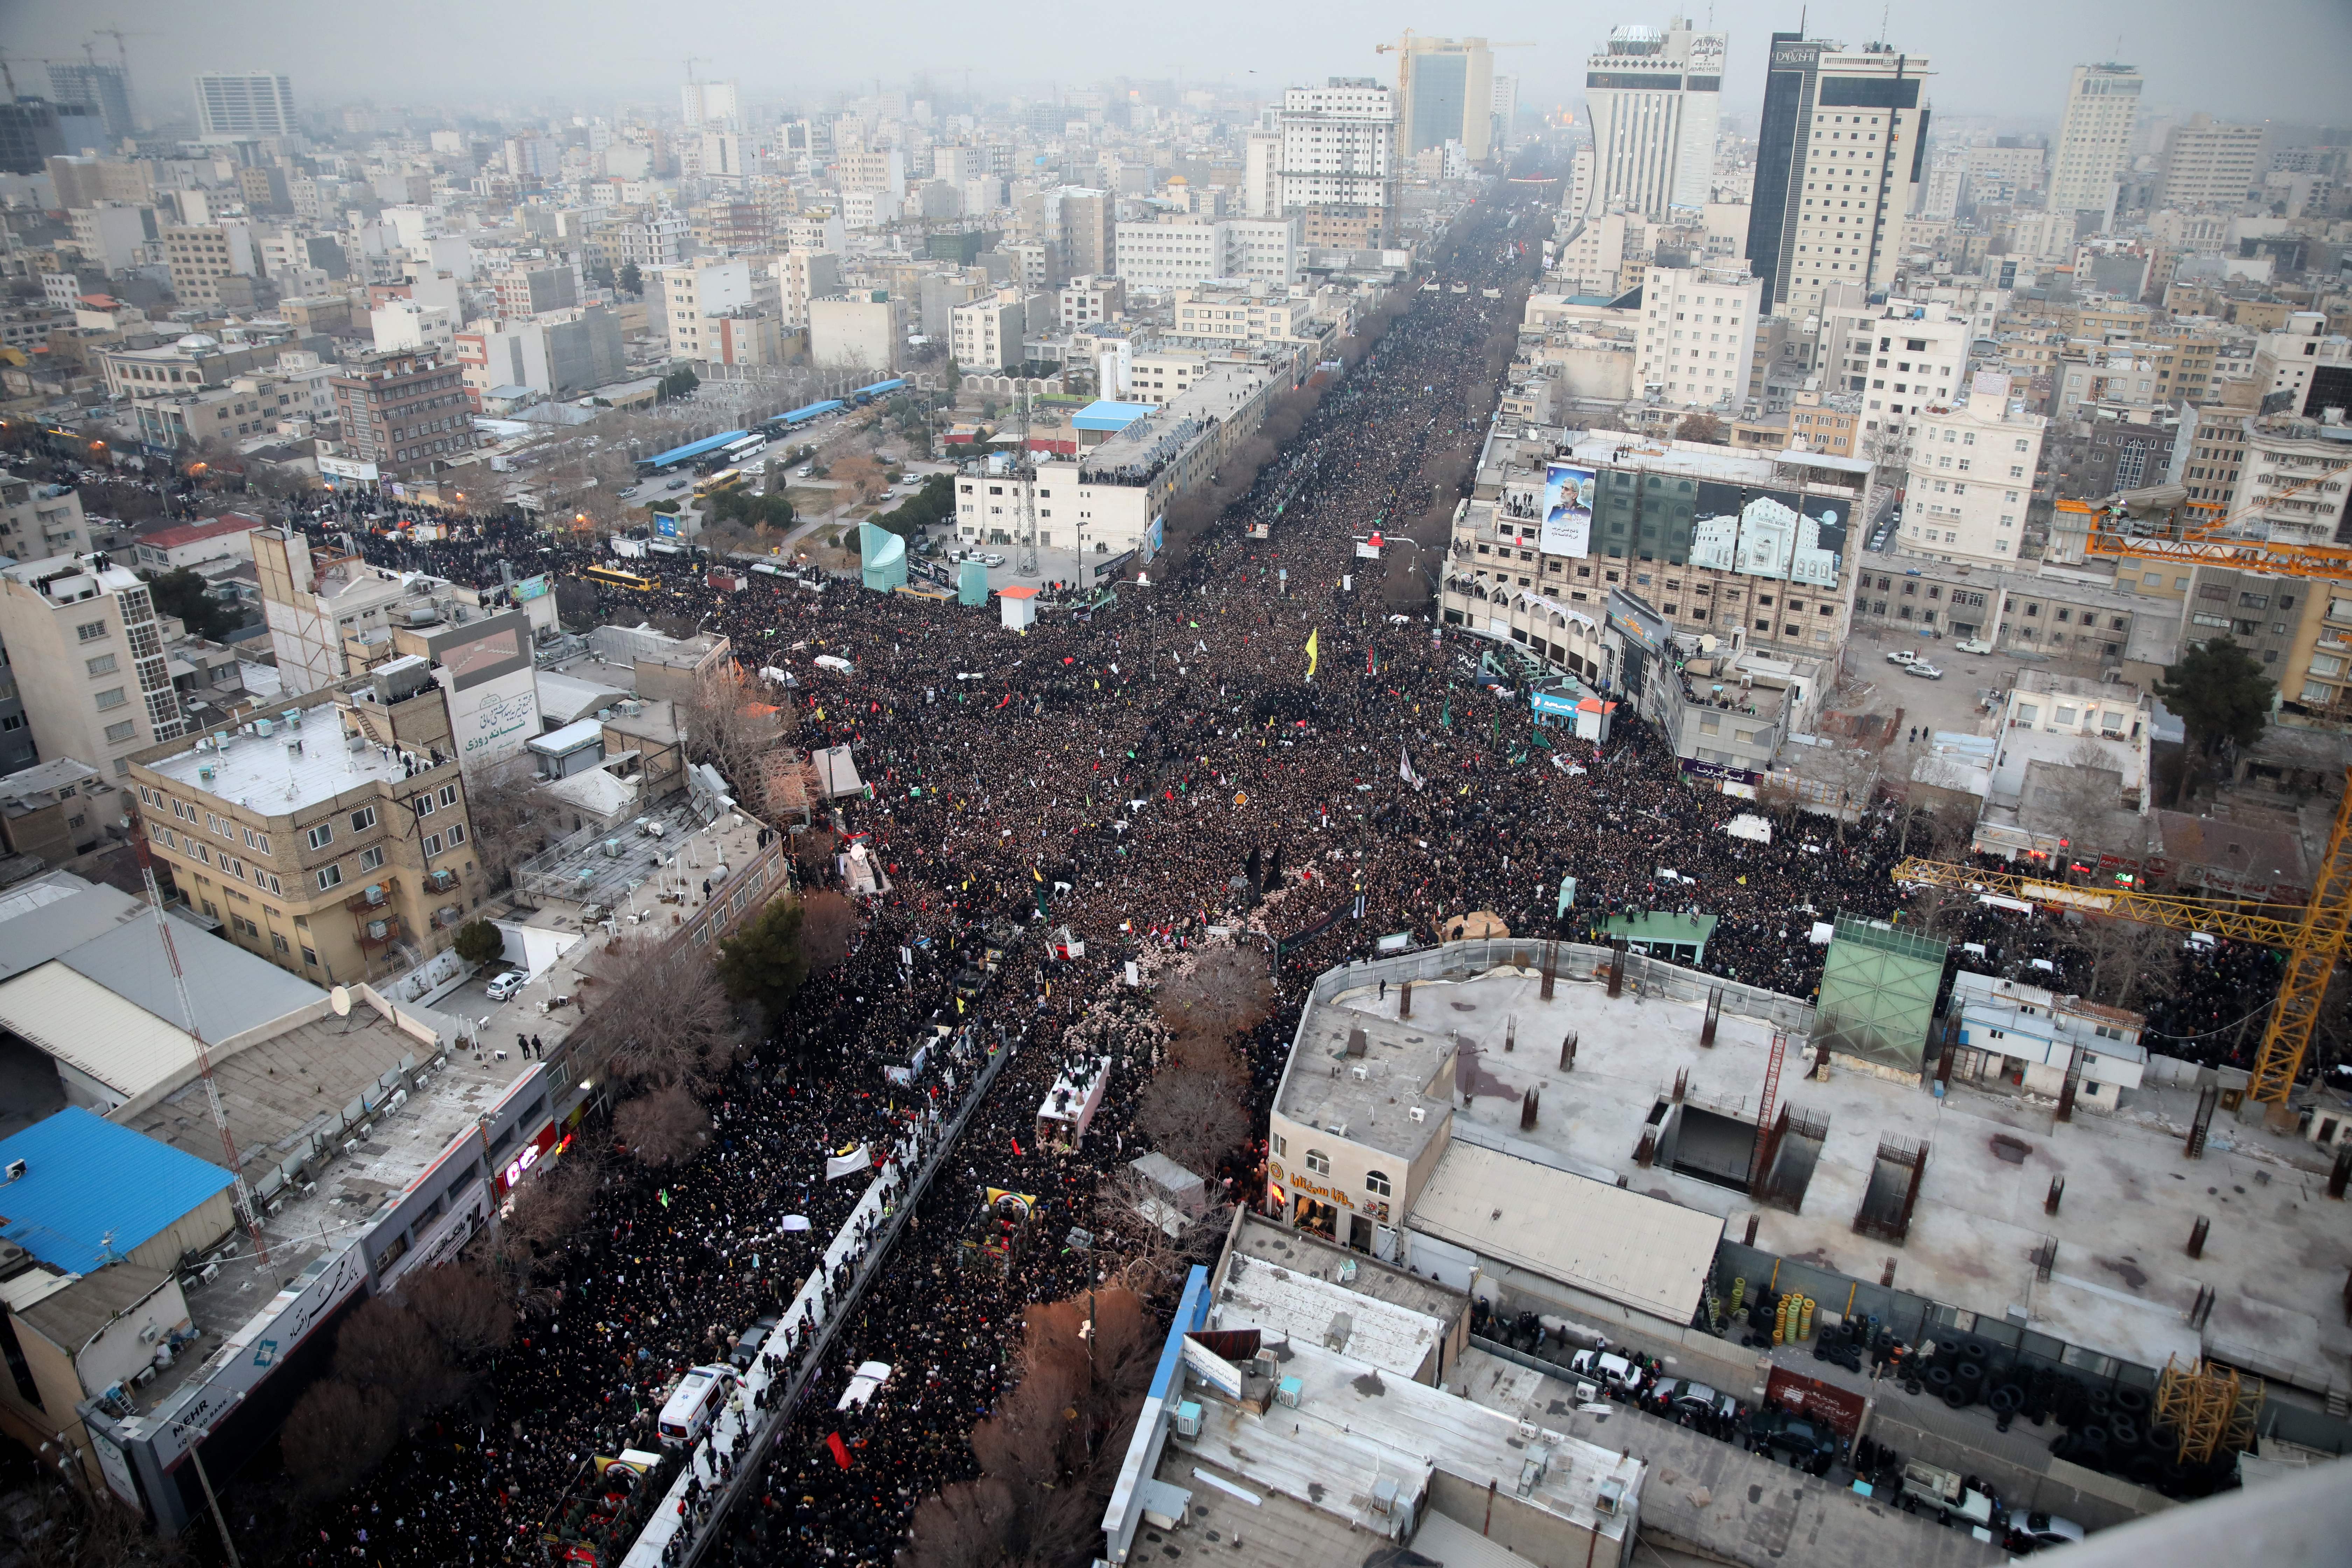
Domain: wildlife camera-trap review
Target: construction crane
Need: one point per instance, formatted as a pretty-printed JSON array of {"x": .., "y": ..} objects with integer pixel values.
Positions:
[
  {"x": 121, "y": 49},
  {"x": 2312, "y": 938},
  {"x": 2203, "y": 541}
]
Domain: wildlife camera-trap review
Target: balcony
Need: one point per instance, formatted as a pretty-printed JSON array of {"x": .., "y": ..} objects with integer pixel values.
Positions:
[{"x": 374, "y": 899}]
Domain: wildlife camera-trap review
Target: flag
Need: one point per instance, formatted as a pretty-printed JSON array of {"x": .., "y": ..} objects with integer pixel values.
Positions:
[
  {"x": 840, "y": 1451},
  {"x": 1314, "y": 650},
  {"x": 1404, "y": 768}
]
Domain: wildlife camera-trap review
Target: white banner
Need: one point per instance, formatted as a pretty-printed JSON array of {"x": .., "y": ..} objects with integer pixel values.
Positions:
[{"x": 839, "y": 1165}]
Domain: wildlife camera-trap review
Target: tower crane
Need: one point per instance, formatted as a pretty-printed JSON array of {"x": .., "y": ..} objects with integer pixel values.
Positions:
[
  {"x": 2202, "y": 539},
  {"x": 2313, "y": 937}
]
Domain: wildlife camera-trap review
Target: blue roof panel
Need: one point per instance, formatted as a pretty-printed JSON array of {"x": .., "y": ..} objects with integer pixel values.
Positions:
[
  {"x": 92, "y": 1190},
  {"x": 1108, "y": 413}
]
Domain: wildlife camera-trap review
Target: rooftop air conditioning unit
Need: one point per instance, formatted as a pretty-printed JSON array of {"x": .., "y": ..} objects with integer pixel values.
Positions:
[
  {"x": 376, "y": 892},
  {"x": 378, "y": 930},
  {"x": 262, "y": 726},
  {"x": 1188, "y": 1418},
  {"x": 1418, "y": 1112},
  {"x": 612, "y": 849}
]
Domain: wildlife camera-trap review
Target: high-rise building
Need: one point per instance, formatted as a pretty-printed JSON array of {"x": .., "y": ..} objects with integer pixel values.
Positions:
[
  {"x": 1698, "y": 335},
  {"x": 1652, "y": 100},
  {"x": 1337, "y": 153},
  {"x": 712, "y": 103},
  {"x": 2207, "y": 165},
  {"x": 86, "y": 653},
  {"x": 233, "y": 105},
  {"x": 104, "y": 89},
  {"x": 1972, "y": 467},
  {"x": 1446, "y": 92},
  {"x": 2095, "y": 139},
  {"x": 1838, "y": 159}
]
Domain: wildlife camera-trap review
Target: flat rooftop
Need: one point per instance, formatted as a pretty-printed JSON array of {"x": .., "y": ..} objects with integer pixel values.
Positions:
[
  {"x": 1263, "y": 1240},
  {"x": 1353, "y": 1427},
  {"x": 643, "y": 877},
  {"x": 2122, "y": 1283},
  {"x": 276, "y": 1094},
  {"x": 1623, "y": 449},
  {"x": 268, "y": 774},
  {"x": 1304, "y": 1308}
]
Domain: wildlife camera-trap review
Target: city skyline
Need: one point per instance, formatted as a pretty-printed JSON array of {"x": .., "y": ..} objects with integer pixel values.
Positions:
[{"x": 444, "y": 55}]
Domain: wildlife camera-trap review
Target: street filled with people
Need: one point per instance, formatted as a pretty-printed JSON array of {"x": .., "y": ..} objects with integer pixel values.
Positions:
[{"x": 1266, "y": 745}]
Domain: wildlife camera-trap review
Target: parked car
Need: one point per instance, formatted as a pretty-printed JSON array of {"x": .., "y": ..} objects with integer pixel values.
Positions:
[
  {"x": 1682, "y": 1397},
  {"x": 804, "y": 470},
  {"x": 676, "y": 484},
  {"x": 2034, "y": 1532},
  {"x": 505, "y": 984},
  {"x": 1604, "y": 1366},
  {"x": 1931, "y": 1488},
  {"x": 992, "y": 559},
  {"x": 1973, "y": 645},
  {"x": 1902, "y": 655},
  {"x": 748, "y": 1342},
  {"x": 1923, "y": 669},
  {"x": 1792, "y": 1436}
]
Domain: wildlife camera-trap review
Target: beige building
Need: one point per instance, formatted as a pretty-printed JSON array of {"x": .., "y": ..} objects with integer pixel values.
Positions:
[
  {"x": 87, "y": 652},
  {"x": 857, "y": 331},
  {"x": 2210, "y": 165},
  {"x": 200, "y": 256},
  {"x": 985, "y": 334},
  {"x": 1972, "y": 467},
  {"x": 318, "y": 607},
  {"x": 40, "y": 520},
  {"x": 333, "y": 840},
  {"x": 2094, "y": 138}
]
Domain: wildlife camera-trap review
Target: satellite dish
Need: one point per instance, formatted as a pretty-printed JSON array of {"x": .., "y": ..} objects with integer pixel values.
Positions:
[{"x": 340, "y": 998}]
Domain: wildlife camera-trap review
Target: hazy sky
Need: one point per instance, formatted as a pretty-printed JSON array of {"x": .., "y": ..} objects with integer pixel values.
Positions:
[{"x": 2284, "y": 58}]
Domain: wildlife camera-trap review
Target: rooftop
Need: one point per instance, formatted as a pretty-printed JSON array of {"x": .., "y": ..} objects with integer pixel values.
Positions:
[
  {"x": 1268, "y": 1242},
  {"x": 303, "y": 762},
  {"x": 227, "y": 523},
  {"x": 92, "y": 1190},
  {"x": 2121, "y": 1284},
  {"x": 38, "y": 785},
  {"x": 1306, "y": 1308},
  {"x": 634, "y": 872},
  {"x": 1618, "y": 450}
]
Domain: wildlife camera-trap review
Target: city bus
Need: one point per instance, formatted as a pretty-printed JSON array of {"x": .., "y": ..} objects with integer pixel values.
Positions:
[
  {"x": 725, "y": 479},
  {"x": 748, "y": 447},
  {"x": 614, "y": 577}
]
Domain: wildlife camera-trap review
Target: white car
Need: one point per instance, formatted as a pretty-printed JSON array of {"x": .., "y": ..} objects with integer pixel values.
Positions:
[
  {"x": 1973, "y": 645},
  {"x": 804, "y": 470},
  {"x": 870, "y": 1379},
  {"x": 505, "y": 984},
  {"x": 1902, "y": 655},
  {"x": 992, "y": 560}
]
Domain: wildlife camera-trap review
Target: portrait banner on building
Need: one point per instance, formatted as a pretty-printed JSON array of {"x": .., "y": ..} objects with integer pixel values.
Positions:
[{"x": 1567, "y": 511}]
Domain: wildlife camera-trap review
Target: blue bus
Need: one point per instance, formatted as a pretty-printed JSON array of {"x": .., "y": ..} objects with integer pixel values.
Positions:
[
  {"x": 866, "y": 395},
  {"x": 809, "y": 414},
  {"x": 676, "y": 456}
]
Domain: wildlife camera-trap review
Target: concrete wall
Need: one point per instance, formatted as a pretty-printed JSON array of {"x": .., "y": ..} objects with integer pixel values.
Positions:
[{"x": 1540, "y": 1536}]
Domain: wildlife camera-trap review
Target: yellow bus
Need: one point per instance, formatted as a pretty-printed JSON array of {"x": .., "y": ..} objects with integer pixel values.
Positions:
[
  {"x": 725, "y": 479},
  {"x": 613, "y": 577}
]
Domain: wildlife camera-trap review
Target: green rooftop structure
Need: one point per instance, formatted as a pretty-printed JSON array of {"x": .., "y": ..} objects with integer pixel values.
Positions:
[
  {"x": 1877, "y": 998},
  {"x": 882, "y": 556},
  {"x": 1682, "y": 938}
]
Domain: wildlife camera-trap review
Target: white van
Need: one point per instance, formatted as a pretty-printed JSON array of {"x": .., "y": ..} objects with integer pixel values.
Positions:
[
  {"x": 1614, "y": 1369},
  {"x": 870, "y": 1379},
  {"x": 694, "y": 1403}
]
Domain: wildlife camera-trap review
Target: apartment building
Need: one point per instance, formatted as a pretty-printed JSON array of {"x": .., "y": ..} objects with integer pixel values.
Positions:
[
  {"x": 1901, "y": 357},
  {"x": 686, "y": 296},
  {"x": 1239, "y": 313},
  {"x": 87, "y": 651},
  {"x": 2094, "y": 138},
  {"x": 2208, "y": 453},
  {"x": 1333, "y": 151},
  {"x": 1168, "y": 253},
  {"x": 403, "y": 411},
  {"x": 986, "y": 335},
  {"x": 2292, "y": 481},
  {"x": 2207, "y": 165},
  {"x": 1698, "y": 334},
  {"x": 525, "y": 290},
  {"x": 2302, "y": 368},
  {"x": 39, "y": 521},
  {"x": 1840, "y": 156},
  {"x": 237, "y": 106},
  {"x": 201, "y": 256},
  {"x": 801, "y": 275},
  {"x": 1971, "y": 475},
  {"x": 333, "y": 839},
  {"x": 1090, "y": 301},
  {"x": 1652, "y": 98}
]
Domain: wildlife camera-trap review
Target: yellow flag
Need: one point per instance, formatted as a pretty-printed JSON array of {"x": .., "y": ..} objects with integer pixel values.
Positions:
[{"x": 1314, "y": 650}]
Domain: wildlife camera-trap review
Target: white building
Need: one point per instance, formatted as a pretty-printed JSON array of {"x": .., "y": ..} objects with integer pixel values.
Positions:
[
  {"x": 985, "y": 334},
  {"x": 857, "y": 331},
  {"x": 1175, "y": 254},
  {"x": 685, "y": 298},
  {"x": 803, "y": 276},
  {"x": 1652, "y": 102},
  {"x": 1901, "y": 356},
  {"x": 2035, "y": 1038},
  {"x": 2094, "y": 138},
  {"x": 2207, "y": 164},
  {"x": 234, "y": 106},
  {"x": 1698, "y": 334},
  {"x": 2292, "y": 481},
  {"x": 1971, "y": 475},
  {"x": 2285, "y": 361},
  {"x": 1337, "y": 147},
  {"x": 405, "y": 324},
  {"x": 1862, "y": 161},
  {"x": 709, "y": 103}
]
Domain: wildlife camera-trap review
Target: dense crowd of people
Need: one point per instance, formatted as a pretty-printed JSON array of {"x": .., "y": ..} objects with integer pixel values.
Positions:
[{"x": 1169, "y": 762}]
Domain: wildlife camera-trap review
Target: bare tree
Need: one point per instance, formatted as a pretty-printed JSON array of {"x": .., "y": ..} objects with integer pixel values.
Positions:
[
  {"x": 664, "y": 1126},
  {"x": 1226, "y": 992},
  {"x": 385, "y": 1345},
  {"x": 731, "y": 724},
  {"x": 662, "y": 1017},
  {"x": 463, "y": 1307},
  {"x": 549, "y": 1210},
  {"x": 965, "y": 1525},
  {"x": 1134, "y": 1214},
  {"x": 828, "y": 921},
  {"x": 335, "y": 1434},
  {"x": 1192, "y": 1110},
  {"x": 2132, "y": 963},
  {"x": 512, "y": 814}
]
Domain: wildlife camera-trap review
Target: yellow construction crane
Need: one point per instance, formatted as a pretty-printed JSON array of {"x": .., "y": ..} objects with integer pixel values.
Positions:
[
  {"x": 2201, "y": 539},
  {"x": 2311, "y": 937}
]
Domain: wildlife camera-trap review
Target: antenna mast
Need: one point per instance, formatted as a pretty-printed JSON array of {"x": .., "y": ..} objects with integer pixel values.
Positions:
[
  {"x": 1027, "y": 567},
  {"x": 252, "y": 1215}
]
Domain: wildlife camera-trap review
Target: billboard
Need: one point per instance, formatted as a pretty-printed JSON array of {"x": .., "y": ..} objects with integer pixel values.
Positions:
[
  {"x": 493, "y": 686},
  {"x": 1153, "y": 536},
  {"x": 1777, "y": 535},
  {"x": 529, "y": 587},
  {"x": 1567, "y": 511}
]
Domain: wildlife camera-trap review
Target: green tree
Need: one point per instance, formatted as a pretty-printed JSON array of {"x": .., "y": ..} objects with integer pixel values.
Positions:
[
  {"x": 765, "y": 961},
  {"x": 678, "y": 383},
  {"x": 478, "y": 942},
  {"x": 2219, "y": 693},
  {"x": 736, "y": 504},
  {"x": 935, "y": 502},
  {"x": 632, "y": 280},
  {"x": 181, "y": 591}
]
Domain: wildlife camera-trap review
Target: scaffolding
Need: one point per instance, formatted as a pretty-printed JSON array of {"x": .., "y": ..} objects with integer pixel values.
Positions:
[{"x": 2209, "y": 1408}]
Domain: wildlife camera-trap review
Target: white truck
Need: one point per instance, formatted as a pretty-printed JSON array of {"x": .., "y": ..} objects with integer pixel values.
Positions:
[{"x": 1929, "y": 1489}]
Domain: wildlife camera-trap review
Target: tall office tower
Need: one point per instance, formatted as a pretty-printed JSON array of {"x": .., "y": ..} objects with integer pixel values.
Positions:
[
  {"x": 2095, "y": 141},
  {"x": 1651, "y": 98},
  {"x": 2207, "y": 164},
  {"x": 104, "y": 88},
  {"x": 711, "y": 103},
  {"x": 233, "y": 105},
  {"x": 1337, "y": 154},
  {"x": 1446, "y": 92},
  {"x": 1838, "y": 161},
  {"x": 1507, "y": 107}
]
